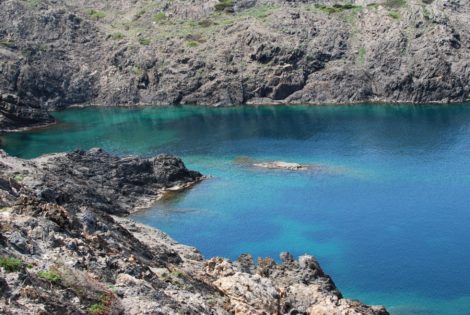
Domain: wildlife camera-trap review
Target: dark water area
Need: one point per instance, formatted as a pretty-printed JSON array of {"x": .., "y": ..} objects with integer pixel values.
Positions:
[{"x": 385, "y": 207}]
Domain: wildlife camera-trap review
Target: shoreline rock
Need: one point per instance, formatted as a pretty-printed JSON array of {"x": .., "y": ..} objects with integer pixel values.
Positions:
[
  {"x": 281, "y": 165},
  {"x": 66, "y": 247},
  {"x": 57, "y": 54}
]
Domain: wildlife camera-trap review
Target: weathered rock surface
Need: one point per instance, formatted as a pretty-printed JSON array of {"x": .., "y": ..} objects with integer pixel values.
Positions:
[
  {"x": 76, "y": 256},
  {"x": 59, "y": 53},
  {"x": 281, "y": 165}
]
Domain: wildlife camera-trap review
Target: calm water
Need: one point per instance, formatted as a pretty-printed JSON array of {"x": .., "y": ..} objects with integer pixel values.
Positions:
[{"x": 386, "y": 211}]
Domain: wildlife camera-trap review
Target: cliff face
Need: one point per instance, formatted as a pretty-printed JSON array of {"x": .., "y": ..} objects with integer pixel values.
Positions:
[
  {"x": 66, "y": 249},
  {"x": 58, "y": 53}
]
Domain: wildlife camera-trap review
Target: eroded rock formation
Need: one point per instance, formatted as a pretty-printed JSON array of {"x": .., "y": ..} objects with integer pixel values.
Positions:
[
  {"x": 54, "y": 54},
  {"x": 66, "y": 248}
]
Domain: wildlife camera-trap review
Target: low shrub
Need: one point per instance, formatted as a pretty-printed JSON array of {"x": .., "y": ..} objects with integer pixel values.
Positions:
[
  {"x": 51, "y": 276},
  {"x": 10, "y": 264}
]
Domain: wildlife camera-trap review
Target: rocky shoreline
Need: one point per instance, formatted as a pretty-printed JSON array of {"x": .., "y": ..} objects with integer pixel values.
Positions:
[
  {"x": 62, "y": 53},
  {"x": 66, "y": 247}
]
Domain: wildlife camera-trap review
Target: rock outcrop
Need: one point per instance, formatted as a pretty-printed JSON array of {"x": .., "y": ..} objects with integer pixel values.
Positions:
[
  {"x": 54, "y": 54},
  {"x": 66, "y": 248}
]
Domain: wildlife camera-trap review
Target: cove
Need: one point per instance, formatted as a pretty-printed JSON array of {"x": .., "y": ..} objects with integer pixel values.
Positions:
[{"x": 386, "y": 210}]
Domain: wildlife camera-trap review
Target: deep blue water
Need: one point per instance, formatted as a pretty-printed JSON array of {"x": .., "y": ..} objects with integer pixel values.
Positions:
[{"x": 386, "y": 210}]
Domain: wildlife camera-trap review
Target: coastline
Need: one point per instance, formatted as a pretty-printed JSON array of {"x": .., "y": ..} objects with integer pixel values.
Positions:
[{"x": 71, "y": 240}]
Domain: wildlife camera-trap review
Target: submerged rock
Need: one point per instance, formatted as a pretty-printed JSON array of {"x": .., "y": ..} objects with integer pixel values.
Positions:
[
  {"x": 66, "y": 248},
  {"x": 280, "y": 165}
]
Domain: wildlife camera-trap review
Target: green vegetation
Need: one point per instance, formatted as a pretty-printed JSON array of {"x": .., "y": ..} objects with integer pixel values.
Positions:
[
  {"x": 10, "y": 264},
  {"x": 260, "y": 12},
  {"x": 144, "y": 41},
  {"x": 33, "y": 3},
  {"x": 117, "y": 36},
  {"x": 139, "y": 14},
  {"x": 7, "y": 43},
  {"x": 362, "y": 55},
  {"x": 336, "y": 8},
  {"x": 193, "y": 43},
  {"x": 159, "y": 17},
  {"x": 96, "y": 15},
  {"x": 394, "y": 14},
  {"x": 18, "y": 178},
  {"x": 98, "y": 309},
  {"x": 395, "y": 3},
  {"x": 224, "y": 6},
  {"x": 50, "y": 275},
  {"x": 101, "y": 307},
  {"x": 373, "y": 5}
]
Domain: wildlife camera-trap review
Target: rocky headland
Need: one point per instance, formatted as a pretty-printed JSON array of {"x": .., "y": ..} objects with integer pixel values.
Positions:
[
  {"x": 60, "y": 53},
  {"x": 66, "y": 247}
]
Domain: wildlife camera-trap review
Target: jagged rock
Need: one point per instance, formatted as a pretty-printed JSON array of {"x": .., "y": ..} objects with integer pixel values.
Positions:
[
  {"x": 59, "y": 53},
  {"x": 75, "y": 257}
]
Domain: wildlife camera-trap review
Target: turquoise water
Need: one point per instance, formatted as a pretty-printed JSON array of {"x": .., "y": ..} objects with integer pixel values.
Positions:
[{"x": 386, "y": 209}]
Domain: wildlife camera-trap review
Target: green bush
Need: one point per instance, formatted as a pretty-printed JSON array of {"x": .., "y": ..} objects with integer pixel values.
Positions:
[
  {"x": 144, "y": 41},
  {"x": 96, "y": 15},
  {"x": 51, "y": 276},
  {"x": 395, "y": 3},
  {"x": 224, "y": 5},
  {"x": 117, "y": 36},
  {"x": 98, "y": 309},
  {"x": 394, "y": 14},
  {"x": 159, "y": 17},
  {"x": 10, "y": 264},
  {"x": 336, "y": 8},
  {"x": 193, "y": 43}
]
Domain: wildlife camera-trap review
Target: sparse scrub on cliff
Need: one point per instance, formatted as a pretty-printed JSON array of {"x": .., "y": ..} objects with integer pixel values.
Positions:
[
  {"x": 10, "y": 264},
  {"x": 361, "y": 55},
  {"x": 50, "y": 275},
  {"x": 395, "y": 3},
  {"x": 260, "y": 12},
  {"x": 96, "y": 15},
  {"x": 117, "y": 36},
  {"x": 7, "y": 43},
  {"x": 336, "y": 8},
  {"x": 394, "y": 15},
  {"x": 159, "y": 17},
  {"x": 144, "y": 41},
  {"x": 224, "y": 6}
]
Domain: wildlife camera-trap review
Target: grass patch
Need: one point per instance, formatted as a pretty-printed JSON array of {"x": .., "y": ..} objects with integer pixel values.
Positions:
[
  {"x": 7, "y": 43},
  {"x": 101, "y": 307},
  {"x": 373, "y": 5},
  {"x": 144, "y": 41},
  {"x": 159, "y": 17},
  {"x": 260, "y": 12},
  {"x": 224, "y": 6},
  {"x": 10, "y": 264},
  {"x": 362, "y": 55},
  {"x": 19, "y": 178},
  {"x": 336, "y": 8},
  {"x": 394, "y": 15},
  {"x": 117, "y": 36},
  {"x": 33, "y": 3},
  {"x": 96, "y": 15},
  {"x": 395, "y": 3},
  {"x": 51, "y": 276},
  {"x": 98, "y": 309},
  {"x": 192, "y": 43}
]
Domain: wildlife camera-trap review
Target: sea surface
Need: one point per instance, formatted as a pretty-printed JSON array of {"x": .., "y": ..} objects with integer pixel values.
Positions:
[{"x": 385, "y": 206}]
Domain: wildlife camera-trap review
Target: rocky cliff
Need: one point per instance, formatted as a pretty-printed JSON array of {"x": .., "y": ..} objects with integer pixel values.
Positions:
[
  {"x": 65, "y": 248},
  {"x": 57, "y": 53}
]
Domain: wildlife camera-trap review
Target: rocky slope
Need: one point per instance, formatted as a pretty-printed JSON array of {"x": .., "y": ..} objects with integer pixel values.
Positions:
[
  {"x": 57, "y": 53},
  {"x": 65, "y": 248}
]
